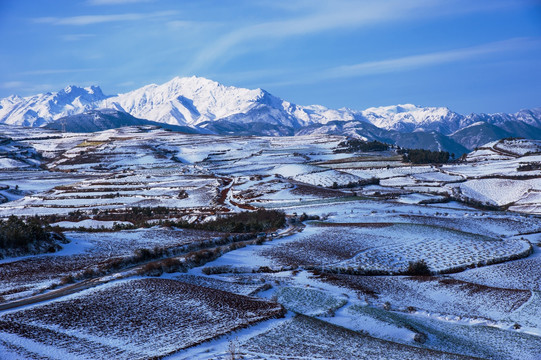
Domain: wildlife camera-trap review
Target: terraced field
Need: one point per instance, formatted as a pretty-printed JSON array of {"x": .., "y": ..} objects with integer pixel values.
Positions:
[
  {"x": 118, "y": 292},
  {"x": 389, "y": 248},
  {"x": 117, "y": 320}
]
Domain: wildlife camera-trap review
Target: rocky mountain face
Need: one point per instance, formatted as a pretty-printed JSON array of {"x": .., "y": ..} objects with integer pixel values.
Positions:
[{"x": 200, "y": 105}]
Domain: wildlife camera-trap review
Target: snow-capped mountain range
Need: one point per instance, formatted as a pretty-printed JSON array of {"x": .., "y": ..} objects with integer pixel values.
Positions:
[
  {"x": 192, "y": 101},
  {"x": 207, "y": 106}
]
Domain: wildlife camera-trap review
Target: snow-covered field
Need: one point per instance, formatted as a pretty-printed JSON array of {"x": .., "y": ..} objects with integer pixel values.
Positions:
[
  {"x": 389, "y": 248},
  {"x": 117, "y": 320},
  {"x": 341, "y": 278},
  {"x": 29, "y": 275}
]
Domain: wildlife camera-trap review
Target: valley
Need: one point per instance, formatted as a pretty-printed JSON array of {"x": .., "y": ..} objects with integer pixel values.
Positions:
[{"x": 374, "y": 258}]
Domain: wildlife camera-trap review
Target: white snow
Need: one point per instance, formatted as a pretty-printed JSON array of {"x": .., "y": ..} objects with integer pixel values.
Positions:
[{"x": 93, "y": 224}]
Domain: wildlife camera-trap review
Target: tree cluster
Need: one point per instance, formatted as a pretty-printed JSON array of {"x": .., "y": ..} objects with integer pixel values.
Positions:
[
  {"x": 355, "y": 145},
  {"x": 18, "y": 234},
  {"x": 243, "y": 222},
  {"x": 529, "y": 167},
  {"x": 421, "y": 156}
]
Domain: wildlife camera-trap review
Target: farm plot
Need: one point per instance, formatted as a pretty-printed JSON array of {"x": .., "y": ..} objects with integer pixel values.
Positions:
[
  {"x": 486, "y": 154},
  {"x": 262, "y": 189},
  {"x": 32, "y": 275},
  {"x": 87, "y": 251},
  {"x": 498, "y": 192},
  {"x": 528, "y": 314},
  {"x": 137, "y": 189},
  {"x": 247, "y": 286},
  {"x": 443, "y": 250},
  {"x": 437, "y": 176},
  {"x": 399, "y": 181},
  {"x": 307, "y": 338},
  {"x": 518, "y": 147},
  {"x": 518, "y": 274},
  {"x": 376, "y": 322},
  {"x": 327, "y": 178},
  {"x": 120, "y": 320},
  {"x": 386, "y": 173},
  {"x": 482, "y": 223},
  {"x": 31, "y": 182},
  {"x": 126, "y": 242},
  {"x": 440, "y": 295},
  {"x": 322, "y": 246},
  {"x": 310, "y": 191},
  {"x": 366, "y": 247},
  {"x": 531, "y": 203},
  {"x": 271, "y": 190},
  {"x": 484, "y": 169},
  {"x": 472, "y": 338},
  {"x": 430, "y": 189},
  {"x": 420, "y": 199},
  {"x": 309, "y": 301}
]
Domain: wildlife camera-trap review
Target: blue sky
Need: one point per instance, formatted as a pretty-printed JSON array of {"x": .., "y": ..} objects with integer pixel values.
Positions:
[{"x": 471, "y": 56}]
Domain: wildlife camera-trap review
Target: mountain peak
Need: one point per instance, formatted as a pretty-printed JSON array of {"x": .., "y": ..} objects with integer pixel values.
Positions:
[
  {"x": 192, "y": 81},
  {"x": 197, "y": 102},
  {"x": 92, "y": 93}
]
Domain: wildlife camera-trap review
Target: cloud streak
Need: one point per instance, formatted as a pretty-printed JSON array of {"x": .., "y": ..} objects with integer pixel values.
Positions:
[
  {"x": 77, "y": 37},
  {"x": 429, "y": 59},
  {"x": 55, "y": 71},
  {"x": 411, "y": 62},
  {"x": 320, "y": 16},
  {"x": 83, "y": 20}
]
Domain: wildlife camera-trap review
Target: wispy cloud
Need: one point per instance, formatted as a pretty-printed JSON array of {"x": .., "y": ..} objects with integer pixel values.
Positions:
[
  {"x": 410, "y": 62},
  {"x": 12, "y": 84},
  {"x": 23, "y": 88},
  {"x": 55, "y": 71},
  {"x": 179, "y": 24},
  {"x": 76, "y": 37},
  {"x": 97, "y": 19},
  {"x": 323, "y": 16},
  {"x": 311, "y": 17},
  {"x": 429, "y": 59}
]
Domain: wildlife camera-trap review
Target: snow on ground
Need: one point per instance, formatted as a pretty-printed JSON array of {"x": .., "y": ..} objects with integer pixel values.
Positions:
[
  {"x": 101, "y": 321},
  {"x": 418, "y": 198},
  {"x": 92, "y": 224},
  {"x": 486, "y": 154},
  {"x": 291, "y": 170},
  {"x": 327, "y": 178},
  {"x": 519, "y": 146},
  {"x": 384, "y": 173},
  {"x": 328, "y": 341},
  {"x": 497, "y": 191},
  {"x": 391, "y": 247},
  {"x": 398, "y": 181},
  {"x": 516, "y": 274},
  {"x": 472, "y": 312},
  {"x": 437, "y": 176}
]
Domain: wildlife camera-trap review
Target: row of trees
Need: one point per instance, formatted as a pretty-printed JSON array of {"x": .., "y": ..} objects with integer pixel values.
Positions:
[
  {"x": 415, "y": 156},
  {"x": 243, "y": 222},
  {"x": 139, "y": 216}
]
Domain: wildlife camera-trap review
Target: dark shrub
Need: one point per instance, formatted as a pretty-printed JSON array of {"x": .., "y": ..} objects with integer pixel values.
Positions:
[{"x": 418, "y": 267}]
